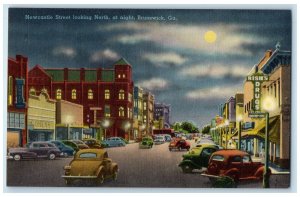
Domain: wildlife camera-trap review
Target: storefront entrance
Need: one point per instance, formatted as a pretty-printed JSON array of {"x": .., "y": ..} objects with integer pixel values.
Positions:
[
  {"x": 14, "y": 139},
  {"x": 40, "y": 135}
]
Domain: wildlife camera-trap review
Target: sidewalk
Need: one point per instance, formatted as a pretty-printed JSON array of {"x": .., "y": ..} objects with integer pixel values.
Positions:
[{"x": 274, "y": 168}]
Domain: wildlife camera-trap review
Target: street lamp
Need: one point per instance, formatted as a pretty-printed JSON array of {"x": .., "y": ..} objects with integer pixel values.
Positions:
[
  {"x": 226, "y": 132},
  {"x": 127, "y": 126},
  {"x": 239, "y": 119},
  {"x": 268, "y": 105},
  {"x": 105, "y": 125}
]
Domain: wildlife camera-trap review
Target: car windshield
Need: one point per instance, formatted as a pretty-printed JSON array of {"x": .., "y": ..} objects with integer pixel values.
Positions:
[{"x": 88, "y": 155}]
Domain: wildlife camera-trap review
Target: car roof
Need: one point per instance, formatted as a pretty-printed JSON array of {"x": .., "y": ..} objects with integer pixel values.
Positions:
[
  {"x": 88, "y": 150},
  {"x": 231, "y": 152}
]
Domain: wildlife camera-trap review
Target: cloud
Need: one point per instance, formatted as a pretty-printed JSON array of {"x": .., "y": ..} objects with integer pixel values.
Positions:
[
  {"x": 215, "y": 71},
  {"x": 216, "y": 92},
  {"x": 230, "y": 37},
  {"x": 164, "y": 59},
  {"x": 64, "y": 51},
  {"x": 104, "y": 54},
  {"x": 154, "y": 84}
]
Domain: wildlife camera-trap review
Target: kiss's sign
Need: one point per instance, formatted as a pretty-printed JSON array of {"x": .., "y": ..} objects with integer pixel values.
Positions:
[{"x": 257, "y": 79}]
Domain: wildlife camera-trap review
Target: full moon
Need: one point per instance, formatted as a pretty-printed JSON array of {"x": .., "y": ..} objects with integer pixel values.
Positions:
[{"x": 210, "y": 36}]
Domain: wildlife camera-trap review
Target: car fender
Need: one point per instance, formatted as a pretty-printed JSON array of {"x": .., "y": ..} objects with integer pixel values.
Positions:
[
  {"x": 100, "y": 169},
  {"x": 232, "y": 172},
  {"x": 260, "y": 171},
  {"x": 114, "y": 166},
  {"x": 190, "y": 163}
]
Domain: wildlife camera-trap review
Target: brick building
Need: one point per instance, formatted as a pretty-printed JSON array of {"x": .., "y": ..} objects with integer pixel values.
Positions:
[
  {"x": 17, "y": 101},
  {"x": 106, "y": 94}
]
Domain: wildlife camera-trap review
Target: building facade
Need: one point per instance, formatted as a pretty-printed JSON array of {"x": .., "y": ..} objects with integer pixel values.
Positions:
[
  {"x": 162, "y": 112},
  {"x": 148, "y": 113},
  {"x": 17, "y": 101},
  {"x": 105, "y": 94},
  {"x": 69, "y": 121},
  {"x": 138, "y": 125},
  {"x": 41, "y": 116}
]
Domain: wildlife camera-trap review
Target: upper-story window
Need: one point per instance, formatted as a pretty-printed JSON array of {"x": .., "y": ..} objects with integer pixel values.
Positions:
[
  {"x": 90, "y": 94},
  {"x": 119, "y": 76},
  {"x": 121, "y": 112},
  {"x": 145, "y": 106},
  {"x": 10, "y": 90},
  {"x": 121, "y": 95},
  {"x": 106, "y": 94},
  {"x": 58, "y": 94},
  {"x": 123, "y": 75},
  {"x": 74, "y": 95}
]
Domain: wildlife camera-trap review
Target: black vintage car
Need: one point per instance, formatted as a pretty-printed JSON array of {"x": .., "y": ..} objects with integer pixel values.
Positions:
[{"x": 35, "y": 150}]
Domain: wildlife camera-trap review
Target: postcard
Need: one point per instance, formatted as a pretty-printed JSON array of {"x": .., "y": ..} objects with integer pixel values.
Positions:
[{"x": 149, "y": 98}]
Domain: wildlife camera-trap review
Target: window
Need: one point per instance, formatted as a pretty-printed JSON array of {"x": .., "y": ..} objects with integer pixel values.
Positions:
[
  {"x": 128, "y": 112},
  {"x": 106, "y": 94},
  {"x": 217, "y": 158},
  {"x": 135, "y": 103},
  {"x": 275, "y": 91},
  {"x": 145, "y": 106},
  {"x": 145, "y": 119},
  {"x": 74, "y": 96},
  {"x": 10, "y": 90},
  {"x": 107, "y": 111},
  {"x": 58, "y": 94},
  {"x": 246, "y": 159},
  {"x": 90, "y": 94},
  {"x": 121, "y": 112},
  {"x": 123, "y": 75},
  {"x": 236, "y": 159},
  {"x": 119, "y": 76},
  {"x": 121, "y": 95},
  {"x": 129, "y": 97},
  {"x": 88, "y": 155}
]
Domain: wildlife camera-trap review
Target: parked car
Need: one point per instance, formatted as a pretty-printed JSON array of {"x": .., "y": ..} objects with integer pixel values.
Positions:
[
  {"x": 126, "y": 141},
  {"x": 179, "y": 144},
  {"x": 147, "y": 142},
  {"x": 75, "y": 144},
  {"x": 114, "y": 141},
  {"x": 65, "y": 149},
  {"x": 235, "y": 164},
  {"x": 90, "y": 164},
  {"x": 205, "y": 141},
  {"x": 197, "y": 158},
  {"x": 159, "y": 139},
  {"x": 168, "y": 138},
  {"x": 93, "y": 143},
  {"x": 35, "y": 150}
]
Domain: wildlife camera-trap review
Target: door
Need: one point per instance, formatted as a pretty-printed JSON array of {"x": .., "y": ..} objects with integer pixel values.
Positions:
[{"x": 247, "y": 168}]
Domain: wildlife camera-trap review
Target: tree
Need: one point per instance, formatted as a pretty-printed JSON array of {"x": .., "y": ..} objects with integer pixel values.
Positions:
[
  {"x": 189, "y": 127},
  {"x": 206, "y": 129}
]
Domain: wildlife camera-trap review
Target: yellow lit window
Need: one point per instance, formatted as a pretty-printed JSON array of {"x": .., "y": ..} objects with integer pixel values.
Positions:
[
  {"x": 121, "y": 95},
  {"x": 106, "y": 94},
  {"x": 32, "y": 91},
  {"x": 90, "y": 94},
  {"x": 74, "y": 95},
  {"x": 123, "y": 75},
  {"x": 10, "y": 90},
  {"x": 58, "y": 94},
  {"x": 121, "y": 112}
]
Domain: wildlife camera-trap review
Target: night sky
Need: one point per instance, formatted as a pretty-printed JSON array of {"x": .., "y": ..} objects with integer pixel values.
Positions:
[{"x": 171, "y": 58}]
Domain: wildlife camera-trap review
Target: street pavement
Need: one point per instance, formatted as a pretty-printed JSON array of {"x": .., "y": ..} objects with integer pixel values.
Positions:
[{"x": 156, "y": 167}]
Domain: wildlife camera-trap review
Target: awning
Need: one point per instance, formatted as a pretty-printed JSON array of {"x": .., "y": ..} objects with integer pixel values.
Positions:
[{"x": 259, "y": 131}]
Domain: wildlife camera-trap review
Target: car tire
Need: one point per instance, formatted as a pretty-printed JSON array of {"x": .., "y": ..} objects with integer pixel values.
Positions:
[
  {"x": 100, "y": 179},
  {"x": 115, "y": 174},
  {"x": 186, "y": 169},
  {"x": 51, "y": 156},
  {"x": 17, "y": 157}
]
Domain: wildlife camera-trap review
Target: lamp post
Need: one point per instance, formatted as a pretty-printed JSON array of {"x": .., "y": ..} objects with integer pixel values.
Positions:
[
  {"x": 239, "y": 119},
  {"x": 226, "y": 132},
  {"x": 268, "y": 105},
  {"x": 105, "y": 125}
]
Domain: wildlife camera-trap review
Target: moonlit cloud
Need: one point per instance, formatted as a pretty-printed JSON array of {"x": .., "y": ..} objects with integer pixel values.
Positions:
[
  {"x": 103, "y": 54},
  {"x": 154, "y": 84},
  {"x": 164, "y": 59},
  {"x": 215, "y": 92},
  {"x": 64, "y": 51},
  {"x": 215, "y": 71},
  {"x": 230, "y": 40}
]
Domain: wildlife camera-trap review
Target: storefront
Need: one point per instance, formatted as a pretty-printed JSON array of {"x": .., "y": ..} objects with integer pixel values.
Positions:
[
  {"x": 41, "y": 117},
  {"x": 15, "y": 129}
]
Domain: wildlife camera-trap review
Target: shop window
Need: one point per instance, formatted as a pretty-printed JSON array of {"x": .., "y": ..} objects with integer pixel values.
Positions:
[
  {"x": 10, "y": 90},
  {"x": 74, "y": 95},
  {"x": 90, "y": 94},
  {"x": 121, "y": 95},
  {"x": 106, "y": 94},
  {"x": 121, "y": 112},
  {"x": 58, "y": 94}
]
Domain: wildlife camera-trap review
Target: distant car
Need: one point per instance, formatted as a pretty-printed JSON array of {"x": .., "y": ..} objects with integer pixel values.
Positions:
[
  {"x": 159, "y": 139},
  {"x": 93, "y": 143},
  {"x": 65, "y": 149},
  {"x": 168, "y": 138},
  {"x": 197, "y": 158},
  {"x": 235, "y": 164},
  {"x": 75, "y": 144},
  {"x": 126, "y": 141},
  {"x": 147, "y": 142},
  {"x": 90, "y": 164},
  {"x": 114, "y": 141},
  {"x": 179, "y": 144},
  {"x": 35, "y": 150}
]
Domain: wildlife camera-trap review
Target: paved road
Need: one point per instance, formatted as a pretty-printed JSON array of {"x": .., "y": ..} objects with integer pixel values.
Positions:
[{"x": 156, "y": 167}]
